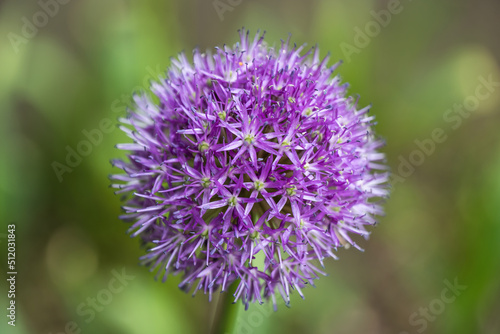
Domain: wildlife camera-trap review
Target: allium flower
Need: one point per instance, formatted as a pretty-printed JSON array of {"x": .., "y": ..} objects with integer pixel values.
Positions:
[{"x": 253, "y": 167}]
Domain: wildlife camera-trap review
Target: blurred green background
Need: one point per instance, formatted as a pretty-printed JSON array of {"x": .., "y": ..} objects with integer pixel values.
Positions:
[{"x": 81, "y": 66}]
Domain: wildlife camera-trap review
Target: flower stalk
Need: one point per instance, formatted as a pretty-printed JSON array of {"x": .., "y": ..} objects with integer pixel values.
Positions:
[{"x": 225, "y": 318}]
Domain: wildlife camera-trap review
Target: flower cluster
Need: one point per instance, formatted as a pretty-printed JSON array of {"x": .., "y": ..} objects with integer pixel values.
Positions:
[{"x": 252, "y": 167}]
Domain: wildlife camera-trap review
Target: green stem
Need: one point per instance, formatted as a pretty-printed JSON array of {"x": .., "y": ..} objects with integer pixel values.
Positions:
[{"x": 225, "y": 317}]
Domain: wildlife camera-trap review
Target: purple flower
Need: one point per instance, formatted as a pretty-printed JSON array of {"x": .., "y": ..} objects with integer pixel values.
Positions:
[{"x": 253, "y": 167}]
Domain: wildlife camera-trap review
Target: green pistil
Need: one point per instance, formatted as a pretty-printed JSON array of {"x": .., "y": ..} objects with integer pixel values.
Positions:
[
  {"x": 291, "y": 191},
  {"x": 254, "y": 235},
  {"x": 222, "y": 115},
  {"x": 285, "y": 143},
  {"x": 308, "y": 112},
  {"x": 205, "y": 182},
  {"x": 316, "y": 133},
  {"x": 250, "y": 139},
  {"x": 204, "y": 146},
  {"x": 232, "y": 201},
  {"x": 301, "y": 225},
  {"x": 291, "y": 99},
  {"x": 335, "y": 208},
  {"x": 258, "y": 185}
]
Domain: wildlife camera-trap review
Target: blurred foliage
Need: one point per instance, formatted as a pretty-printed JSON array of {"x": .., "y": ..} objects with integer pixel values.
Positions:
[{"x": 83, "y": 66}]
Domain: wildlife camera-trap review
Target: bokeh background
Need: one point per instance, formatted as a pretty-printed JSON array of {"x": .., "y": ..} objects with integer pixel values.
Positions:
[{"x": 82, "y": 66}]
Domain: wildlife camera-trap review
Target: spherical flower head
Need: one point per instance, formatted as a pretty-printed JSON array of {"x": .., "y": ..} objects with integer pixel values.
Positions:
[{"x": 252, "y": 167}]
